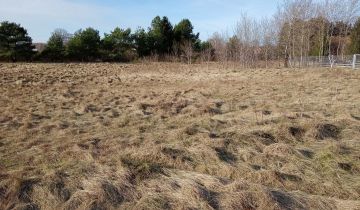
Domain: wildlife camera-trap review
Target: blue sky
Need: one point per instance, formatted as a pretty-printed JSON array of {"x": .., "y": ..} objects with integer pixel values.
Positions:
[{"x": 41, "y": 17}]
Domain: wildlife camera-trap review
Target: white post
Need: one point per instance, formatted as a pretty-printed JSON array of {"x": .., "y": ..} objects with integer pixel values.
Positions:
[{"x": 354, "y": 62}]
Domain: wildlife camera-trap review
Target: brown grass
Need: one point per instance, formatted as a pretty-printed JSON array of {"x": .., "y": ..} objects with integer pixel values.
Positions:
[{"x": 172, "y": 136}]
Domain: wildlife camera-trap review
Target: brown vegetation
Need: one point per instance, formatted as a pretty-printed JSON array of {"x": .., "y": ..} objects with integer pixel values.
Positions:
[{"x": 172, "y": 136}]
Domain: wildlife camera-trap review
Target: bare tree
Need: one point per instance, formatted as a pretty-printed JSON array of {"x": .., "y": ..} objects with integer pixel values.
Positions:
[
  {"x": 248, "y": 33},
  {"x": 294, "y": 16},
  {"x": 188, "y": 50},
  {"x": 300, "y": 28},
  {"x": 63, "y": 34},
  {"x": 349, "y": 15},
  {"x": 206, "y": 55},
  {"x": 218, "y": 42},
  {"x": 268, "y": 34}
]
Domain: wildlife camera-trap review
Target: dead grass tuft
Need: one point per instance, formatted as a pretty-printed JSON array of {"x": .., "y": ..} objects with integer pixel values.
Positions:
[
  {"x": 325, "y": 131},
  {"x": 141, "y": 170},
  {"x": 278, "y": 149}
]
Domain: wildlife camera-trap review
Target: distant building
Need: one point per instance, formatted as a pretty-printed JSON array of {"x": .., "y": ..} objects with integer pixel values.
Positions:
[{"x": 39, "y": 47}]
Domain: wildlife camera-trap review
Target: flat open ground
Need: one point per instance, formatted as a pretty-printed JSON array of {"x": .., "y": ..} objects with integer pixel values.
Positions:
[{"x": 171, "y": 136}]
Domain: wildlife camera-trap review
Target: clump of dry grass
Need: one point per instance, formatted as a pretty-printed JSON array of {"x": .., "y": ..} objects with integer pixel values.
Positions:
[{"x": 171, "y": 136}]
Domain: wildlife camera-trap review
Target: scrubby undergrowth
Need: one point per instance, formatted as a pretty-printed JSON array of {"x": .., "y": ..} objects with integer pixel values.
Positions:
[{"x": 171, "y": 136}]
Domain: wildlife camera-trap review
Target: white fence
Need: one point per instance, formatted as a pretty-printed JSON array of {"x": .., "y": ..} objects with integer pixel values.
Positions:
[{"x": 347, "y": 61}]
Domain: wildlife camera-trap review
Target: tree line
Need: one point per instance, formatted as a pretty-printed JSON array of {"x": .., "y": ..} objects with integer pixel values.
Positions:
[
  {"x": 161, "y": 41},
  {"x": 299, "y": 29}
]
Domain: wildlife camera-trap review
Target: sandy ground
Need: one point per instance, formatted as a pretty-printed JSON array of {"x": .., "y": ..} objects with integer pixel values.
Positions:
[{"x": 172, "y": 136}]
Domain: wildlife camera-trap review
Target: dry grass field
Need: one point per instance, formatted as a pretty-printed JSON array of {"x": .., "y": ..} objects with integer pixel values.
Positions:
[{"x": 172, "y": 136}]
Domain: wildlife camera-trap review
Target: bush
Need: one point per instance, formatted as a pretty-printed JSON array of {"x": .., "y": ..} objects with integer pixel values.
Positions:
[
  {"x": 85, "y": 45},
  {"x": 15, "y": 43}
]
